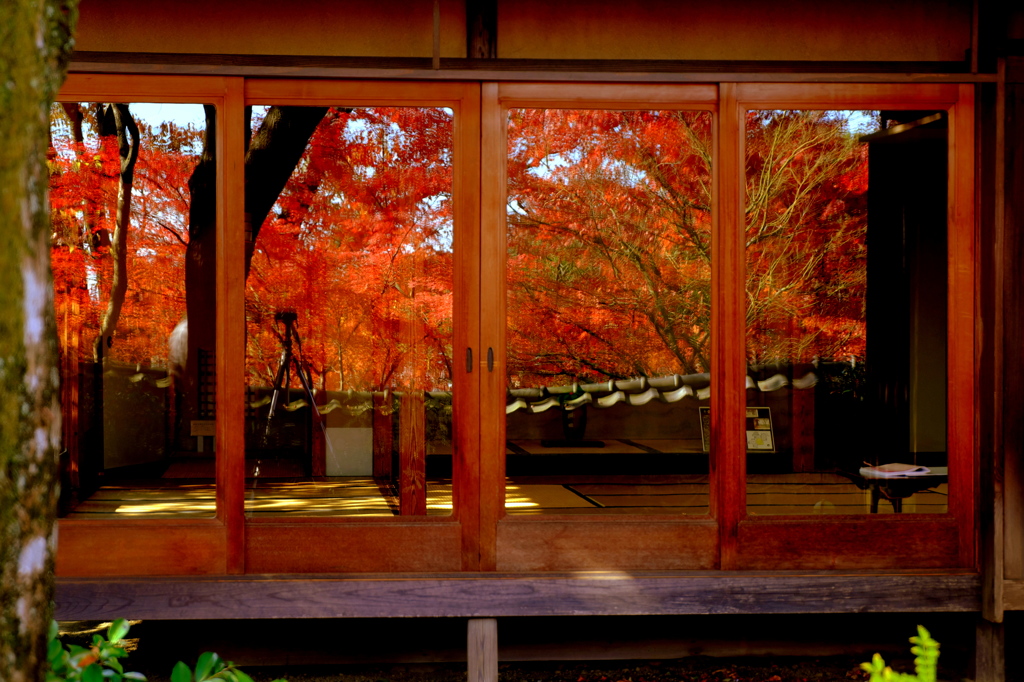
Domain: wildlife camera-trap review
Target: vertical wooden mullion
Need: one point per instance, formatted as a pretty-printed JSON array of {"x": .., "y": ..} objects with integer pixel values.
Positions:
[
  {"x": 727, "y": 461},
  {"x": 492, "y": 321},
  {"x": 993, "y": 533},
  {"x": 231, "y": 322},
  {"x": 466, "y": 315},
  {"x": 962, "y": 385}
]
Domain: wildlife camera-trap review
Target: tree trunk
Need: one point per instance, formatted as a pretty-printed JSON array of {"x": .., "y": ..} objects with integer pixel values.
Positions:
[
  {"x": 128, "y": 149},
  {"x": 35, "y": 44},
  {"x": 271, "y": 157}
]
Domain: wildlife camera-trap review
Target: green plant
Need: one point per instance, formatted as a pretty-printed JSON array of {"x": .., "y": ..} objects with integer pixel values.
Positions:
[
  {"x": 99, "y": 662},
  {"x": 210, "y": 667},
  {"x": 96, "y": 663},
  {"x": 926, "y": 651}
]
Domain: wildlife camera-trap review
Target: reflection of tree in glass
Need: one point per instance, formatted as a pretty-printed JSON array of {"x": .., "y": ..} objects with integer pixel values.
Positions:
[
  {"x": 806, "y": 228},
  {"x": 359, "y": 241},
  {"x": 609, "y": 244},
  {"x": 609, "y": 241},
  {"x": 119, "y": 201}
]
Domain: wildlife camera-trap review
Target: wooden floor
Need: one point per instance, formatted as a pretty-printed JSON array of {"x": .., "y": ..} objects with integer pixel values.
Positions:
[{"x": 774, "y": 494}]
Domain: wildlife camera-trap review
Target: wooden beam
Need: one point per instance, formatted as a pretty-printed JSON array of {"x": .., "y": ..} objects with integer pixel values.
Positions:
[
  {"x": 482, "y": 650},
  {"x": 416, "y": 68},
  {"x": 489, "y": 595}
]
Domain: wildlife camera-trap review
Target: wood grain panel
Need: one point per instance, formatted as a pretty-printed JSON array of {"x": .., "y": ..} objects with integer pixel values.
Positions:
[
  {"x": 412, "y": 453},
  {"x": 799, "y": 29},
  {"x": 1013, "y": 595},
  {"x": 605, "y": 95},
  {"x": 353, "y": 547},
  {"x": 354, "y": 93},
  {"x": 230, "y": 323},
  {"x": 493, "y": 189},
  {"x": 523, "y": 70},
  {"x": 849, "y": 543},
  {"x": 962, "y": 388},
  {"x": 847, "y": 96},
  {"x": 144, "y": 548},
  {"x": 595, "y": 544},
  {"x": 478, "y": 595},
  {"x": 139, "y": 88},
  {"x": 728, "y": 325},
  {"x": 382, "y": 29},
  {"x": 466, "y": 407}
]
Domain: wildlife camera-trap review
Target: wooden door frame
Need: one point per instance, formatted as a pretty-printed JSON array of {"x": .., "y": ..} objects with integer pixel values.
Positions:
[
  {"x": 406, "y": 543},
  {"x": 578, "y": 542},
  {"x": 764, "y": 543},
  {"x": 228, "y": 543},
  {"x": 479, "y": 536},
  {"x": 888, "y": 542},
  {"x": 182, "y": 546}
]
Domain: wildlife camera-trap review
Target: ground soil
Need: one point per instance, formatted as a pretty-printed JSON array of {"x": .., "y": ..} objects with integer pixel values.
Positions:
[{"x": 692, "y": 669}]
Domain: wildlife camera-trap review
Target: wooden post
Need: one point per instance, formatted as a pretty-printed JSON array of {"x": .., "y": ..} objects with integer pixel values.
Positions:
[
  {"x": 482, "y": 650},
  {"x": 989, "y": 652},
  {"x": 802, "y": 425},
  {"x": 482, "y": 29},
  {"x": 383, "y": 440},
  {"x": 318, "y": 438},
  {"x": 412, "y": 455}
]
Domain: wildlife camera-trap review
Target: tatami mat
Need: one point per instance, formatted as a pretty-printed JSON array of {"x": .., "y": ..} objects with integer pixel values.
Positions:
[{"x": 777, "y": 494}]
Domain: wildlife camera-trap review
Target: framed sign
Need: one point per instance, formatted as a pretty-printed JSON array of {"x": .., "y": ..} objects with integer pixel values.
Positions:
[{"x": 760, "y": 434}]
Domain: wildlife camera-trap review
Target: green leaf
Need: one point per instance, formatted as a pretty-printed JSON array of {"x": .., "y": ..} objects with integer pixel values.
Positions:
[
  {"x": 54, "y": 650},
  {"x": 117, "y": 630},
  {"x": 138, "y": 677},
  {"x": 92, "y": 673},
  {"x": 181, "y": 673},
  {"x": 114, "y": 664},
  {"x": 54, "y": 631},
  {"x": 242, "y": 677},
  {"x": 205, "y": 665}
]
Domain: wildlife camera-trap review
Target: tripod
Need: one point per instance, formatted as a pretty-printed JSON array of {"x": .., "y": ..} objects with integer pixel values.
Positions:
[{"x": 283, "y": 378}]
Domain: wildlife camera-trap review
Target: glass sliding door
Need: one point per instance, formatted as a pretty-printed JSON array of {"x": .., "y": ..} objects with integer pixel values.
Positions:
[
  {"x": 857, "y": 409},
  {"x": 606, "y": 221},
  {"x": 609, "y": 310},
  {"x": 349, "y": 314},
  {"x": 358, "y": 265},
  {"x": 846, "y": 289}
]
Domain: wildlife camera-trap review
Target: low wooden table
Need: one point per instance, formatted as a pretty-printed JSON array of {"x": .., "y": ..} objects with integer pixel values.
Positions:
[{"x": 897, "y": 488}]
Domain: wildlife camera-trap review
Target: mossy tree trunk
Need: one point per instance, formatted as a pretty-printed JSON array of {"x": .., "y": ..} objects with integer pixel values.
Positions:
[{"x": 35, "y": 43}]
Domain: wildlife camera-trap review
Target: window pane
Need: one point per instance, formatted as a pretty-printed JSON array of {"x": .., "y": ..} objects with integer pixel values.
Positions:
[
  {"x": 132, "y": 191},
  {"x": 609, "y": 282},
  {"x": 846, "y": 319},
  {"x": 349, "y": 311}
]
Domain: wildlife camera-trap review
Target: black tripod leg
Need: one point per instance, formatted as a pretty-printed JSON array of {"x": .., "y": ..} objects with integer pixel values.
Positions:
[
  {"x": 280, "y": 381},
  {"x": 304, "y": 380}
]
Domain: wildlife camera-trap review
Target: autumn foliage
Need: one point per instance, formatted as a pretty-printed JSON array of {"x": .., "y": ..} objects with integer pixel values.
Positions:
[{"x": 609, "y": 244}]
